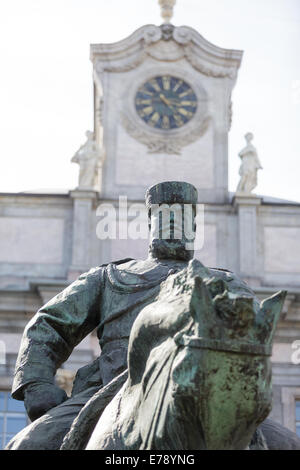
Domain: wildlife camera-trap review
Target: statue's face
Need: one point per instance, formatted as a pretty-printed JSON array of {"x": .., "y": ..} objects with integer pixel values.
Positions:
[
  {"x": 172, "y": 231},
  {"x": 249, "y": 137},
  {"x": 89, "y": 135}
]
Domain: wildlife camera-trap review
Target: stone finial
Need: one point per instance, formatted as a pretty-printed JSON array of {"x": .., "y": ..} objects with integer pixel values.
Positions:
[
  {"x": 249, "y": 167},
  {"x": 166, "y": 7}
]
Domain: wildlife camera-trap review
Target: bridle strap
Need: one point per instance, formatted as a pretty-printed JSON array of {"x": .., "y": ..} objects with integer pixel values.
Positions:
[{"x": 218, "y": 345}]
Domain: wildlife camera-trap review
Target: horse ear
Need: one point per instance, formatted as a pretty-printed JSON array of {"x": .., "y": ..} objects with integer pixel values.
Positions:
[
  {"x": 268, "y": 316},
  {"x": 201, "y": 294},
  {"x": 202, "y": 306},
  {"x": 216, "y": 286}
]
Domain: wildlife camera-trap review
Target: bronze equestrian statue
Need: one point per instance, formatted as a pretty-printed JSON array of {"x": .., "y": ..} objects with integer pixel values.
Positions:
[{"x": 198, "y": 352}]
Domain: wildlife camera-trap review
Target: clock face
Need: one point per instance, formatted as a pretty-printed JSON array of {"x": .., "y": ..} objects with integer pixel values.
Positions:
[{"x": 166, "y": 102}]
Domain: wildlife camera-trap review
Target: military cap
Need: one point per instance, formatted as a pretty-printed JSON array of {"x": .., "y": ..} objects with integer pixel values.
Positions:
[{"x": 171, "y": 192}]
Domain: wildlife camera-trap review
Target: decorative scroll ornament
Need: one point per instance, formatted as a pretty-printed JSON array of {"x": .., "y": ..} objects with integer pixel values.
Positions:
[
  {"x": 165, "y": 51},
  {"x": 152, "y": 34},
  {"x": 208, "y": 69},
  {"x": 124, "y": 66},
  {"x": 183, "y": 35},
  {"x": 158, "y": 143}
]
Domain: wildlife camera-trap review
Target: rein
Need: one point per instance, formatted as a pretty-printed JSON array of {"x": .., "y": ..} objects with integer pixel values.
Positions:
[{"x": 199, "y": 342}]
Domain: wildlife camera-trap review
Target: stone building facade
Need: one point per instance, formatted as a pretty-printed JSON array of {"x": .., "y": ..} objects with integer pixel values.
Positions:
[{"x": 48, "y": 238}]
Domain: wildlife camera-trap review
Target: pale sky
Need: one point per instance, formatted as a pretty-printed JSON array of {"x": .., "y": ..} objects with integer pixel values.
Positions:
[{"x": 46, "y": 82}]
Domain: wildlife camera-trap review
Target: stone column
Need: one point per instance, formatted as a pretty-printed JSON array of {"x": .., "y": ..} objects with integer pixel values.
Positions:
[
  {"x": 246, "y": 207},
  {"x": 82, "y": 225}
]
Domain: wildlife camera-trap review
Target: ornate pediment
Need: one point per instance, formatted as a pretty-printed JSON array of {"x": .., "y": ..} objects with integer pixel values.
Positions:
[{"x": 169, "y": 44}]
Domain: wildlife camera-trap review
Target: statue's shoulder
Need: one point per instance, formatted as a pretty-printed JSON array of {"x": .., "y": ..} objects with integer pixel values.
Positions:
[
  {"x": 118, "y": 262},
  {"x": 221, "y": 273},
  {"x": 97, "y": 271}
]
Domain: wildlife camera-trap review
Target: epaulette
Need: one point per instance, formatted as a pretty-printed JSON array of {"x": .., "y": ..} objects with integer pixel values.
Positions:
[{"x": 121, "y": 261}]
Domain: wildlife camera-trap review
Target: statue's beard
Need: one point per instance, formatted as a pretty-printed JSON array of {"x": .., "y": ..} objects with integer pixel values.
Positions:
[
  {"x": 170, "y": 249},
  {"x": 171, "y": 231}
]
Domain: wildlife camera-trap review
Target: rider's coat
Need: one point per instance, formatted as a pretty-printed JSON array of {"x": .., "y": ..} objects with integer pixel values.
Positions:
[{"x": 108, "y": 298}]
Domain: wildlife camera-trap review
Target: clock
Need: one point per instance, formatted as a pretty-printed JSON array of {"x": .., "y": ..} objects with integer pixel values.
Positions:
[{"x": 166, "y": 102}]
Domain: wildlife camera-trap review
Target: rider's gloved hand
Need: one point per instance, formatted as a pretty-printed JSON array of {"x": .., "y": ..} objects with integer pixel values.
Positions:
[{"x": 40, "y": 397}]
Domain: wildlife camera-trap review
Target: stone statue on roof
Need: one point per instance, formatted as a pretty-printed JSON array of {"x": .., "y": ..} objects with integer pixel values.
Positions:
[
  {"x": 89, "y": 159},
  {"x": 249, "y": 167}
]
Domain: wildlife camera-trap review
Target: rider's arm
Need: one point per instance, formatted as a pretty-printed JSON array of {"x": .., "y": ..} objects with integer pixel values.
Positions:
[{"x": 56, "y": 329}]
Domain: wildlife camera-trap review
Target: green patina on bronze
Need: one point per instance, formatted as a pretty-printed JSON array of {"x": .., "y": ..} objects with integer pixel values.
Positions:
[
  {"x": 182, "y": 393},
  {"x": 184, "y": 358}
]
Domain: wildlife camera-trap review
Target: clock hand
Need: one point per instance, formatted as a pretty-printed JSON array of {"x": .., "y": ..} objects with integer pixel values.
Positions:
[
  {"x": 174, "y": 103},
  {"x": 164, "y": 99},
  {"x": 167, "y": 102},
  {"x": 170, "y": 103}
]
